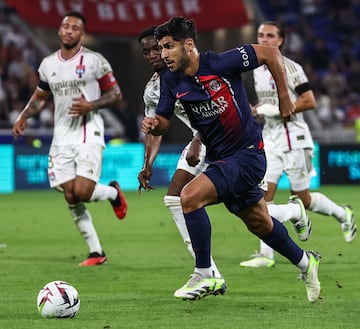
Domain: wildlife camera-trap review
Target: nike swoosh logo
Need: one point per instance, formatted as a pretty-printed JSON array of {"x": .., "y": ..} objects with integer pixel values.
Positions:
[{"x": 181, "y": 94}]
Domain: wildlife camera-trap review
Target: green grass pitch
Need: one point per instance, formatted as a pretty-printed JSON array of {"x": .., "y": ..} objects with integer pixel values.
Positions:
[{"x": 148, "y": 262}]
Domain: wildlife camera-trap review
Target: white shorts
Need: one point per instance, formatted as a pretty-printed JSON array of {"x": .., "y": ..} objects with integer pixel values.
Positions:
[
  {"x": 297, "y": 165},
  {"x": 199, "y": 168},
  {"x": 68, "y": 161}
]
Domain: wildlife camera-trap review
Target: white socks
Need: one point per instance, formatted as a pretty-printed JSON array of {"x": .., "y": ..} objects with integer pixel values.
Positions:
[
  {"x": 174, "y": 206},
  {"x": 83, "y": 222},
  {"x": 265, "y": 250},
  {"x": 82, "y": 217},
  {"x": 323, "y": 205},
  {"x": 304, "y": 263},
  {"x": 103, "y": 192},
  {"x": 285, "y": 212},
  {"x": 206, "y": 272}
]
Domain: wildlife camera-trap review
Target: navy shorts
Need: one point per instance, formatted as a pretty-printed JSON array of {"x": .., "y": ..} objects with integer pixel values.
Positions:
[{"x": 237, "y": 178}]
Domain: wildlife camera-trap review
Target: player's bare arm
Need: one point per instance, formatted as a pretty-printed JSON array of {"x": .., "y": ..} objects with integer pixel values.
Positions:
[
  {"x": 193, "y": 154},
  {"x": 272, "y": 57},
  {"x": 33, "y": 107},
  {"x": 81, "y": 106},
  {"x": 306, "y": 101},
  {"x": 155, "y": 126},
  {"x": 152, "y": 146}
]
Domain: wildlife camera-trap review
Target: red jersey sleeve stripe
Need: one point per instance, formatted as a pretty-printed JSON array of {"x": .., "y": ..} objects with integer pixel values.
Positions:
[{"x": 107, "y": 81}]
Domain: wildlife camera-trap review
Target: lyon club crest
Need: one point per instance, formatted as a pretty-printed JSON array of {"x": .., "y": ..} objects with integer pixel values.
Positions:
[{"x": 80, "y": 68}]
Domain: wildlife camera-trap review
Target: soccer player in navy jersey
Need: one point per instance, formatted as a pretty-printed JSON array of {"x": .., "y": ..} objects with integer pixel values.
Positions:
[
  {"x": 192, "y": 159},
  {"x": 210, "y": 89}
]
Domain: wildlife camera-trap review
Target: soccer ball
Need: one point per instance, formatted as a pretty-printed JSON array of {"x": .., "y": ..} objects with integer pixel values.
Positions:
[{"x": 58, "y": 299}]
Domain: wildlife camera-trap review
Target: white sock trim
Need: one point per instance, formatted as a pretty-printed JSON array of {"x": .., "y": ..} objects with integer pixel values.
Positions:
[{"x": 172, "y": 200}]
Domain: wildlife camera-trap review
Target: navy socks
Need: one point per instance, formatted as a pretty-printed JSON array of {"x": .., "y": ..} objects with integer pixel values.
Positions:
[
  {"x": 279, "y": 240},
  {"x": 199, "y": 228}
]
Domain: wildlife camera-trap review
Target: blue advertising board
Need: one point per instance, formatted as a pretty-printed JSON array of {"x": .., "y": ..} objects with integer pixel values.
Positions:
[
  {"x": 24, "y": 167},
  {"x": 340, "y": 164}
]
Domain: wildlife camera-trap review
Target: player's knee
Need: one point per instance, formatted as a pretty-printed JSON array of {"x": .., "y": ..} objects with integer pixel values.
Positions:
[
  {"x": 70, "y": 197},
  {"x": 184, "y": 200},
  {"x": 82, "y": 194},
  {"x": 189, "y": 203}
]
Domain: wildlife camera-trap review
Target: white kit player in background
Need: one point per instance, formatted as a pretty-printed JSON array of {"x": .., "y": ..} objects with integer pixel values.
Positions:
[
  {"x": 289, "y": 147},
  {"x": 192, "y": 159},
  {"x": 81, "y": 82}
]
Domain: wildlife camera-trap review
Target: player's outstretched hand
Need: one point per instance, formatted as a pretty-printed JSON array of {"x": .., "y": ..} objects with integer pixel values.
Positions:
[
  {"x": 287, "y": 108},
  {"x": 144, "y": 180},
  {"x": 148, "y": 124},
  {"x": 19, "y": 126},
  {"x": 193, "y": 154}
]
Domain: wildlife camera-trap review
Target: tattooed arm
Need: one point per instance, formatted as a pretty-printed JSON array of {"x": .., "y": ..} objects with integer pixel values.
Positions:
[
  {"x": 111, "y": 97},
  {"x": 81, "y": 106},
  {"x": 34, "y": 106}
]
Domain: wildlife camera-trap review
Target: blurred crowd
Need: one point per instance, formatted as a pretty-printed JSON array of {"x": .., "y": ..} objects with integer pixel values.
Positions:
[
  {"x": 322, "y": 35},
  {"x": 19, "y": 59}
]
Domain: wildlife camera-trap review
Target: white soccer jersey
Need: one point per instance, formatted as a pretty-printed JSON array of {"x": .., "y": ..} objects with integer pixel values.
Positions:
[
  {"x": 151, "y": 98},
  {"x": 72, "y": 78},
  {"x": 274, "y": 133}
]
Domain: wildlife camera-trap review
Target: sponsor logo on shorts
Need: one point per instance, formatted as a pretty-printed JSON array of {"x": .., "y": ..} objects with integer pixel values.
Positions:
[{"x": 51, "y": 175}]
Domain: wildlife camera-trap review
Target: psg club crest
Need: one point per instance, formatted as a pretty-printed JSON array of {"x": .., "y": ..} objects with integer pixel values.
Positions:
[{"x": 215, "y": 85}]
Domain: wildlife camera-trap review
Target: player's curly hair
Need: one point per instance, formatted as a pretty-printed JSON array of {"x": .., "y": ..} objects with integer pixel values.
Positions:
[
  {"x": 146, "y": 33},
  {"x": 179, "y": 28}
]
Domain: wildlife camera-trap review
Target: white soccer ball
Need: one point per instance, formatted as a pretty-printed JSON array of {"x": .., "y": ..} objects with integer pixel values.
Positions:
[{"x": 58, "y": 299}]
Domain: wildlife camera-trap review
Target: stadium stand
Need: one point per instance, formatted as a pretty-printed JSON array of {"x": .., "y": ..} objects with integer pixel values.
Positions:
[{"x": 325, "y": 38}]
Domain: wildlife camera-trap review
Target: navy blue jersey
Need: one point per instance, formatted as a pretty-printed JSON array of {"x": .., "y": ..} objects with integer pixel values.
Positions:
[{"x": 215, "y": 101}]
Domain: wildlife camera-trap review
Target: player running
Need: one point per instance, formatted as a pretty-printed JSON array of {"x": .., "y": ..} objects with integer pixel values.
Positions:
[
  {"x": 290, "y": 148},
  {"x": 81, "y": 82},
  {"x": 193, "y": 153},
  {"x": 210, "y": 89}
]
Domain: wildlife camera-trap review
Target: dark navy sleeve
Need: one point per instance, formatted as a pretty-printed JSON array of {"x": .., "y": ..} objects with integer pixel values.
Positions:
[
  {"x": 241, "y": 59},
  {"x": 167, "y": 101}
]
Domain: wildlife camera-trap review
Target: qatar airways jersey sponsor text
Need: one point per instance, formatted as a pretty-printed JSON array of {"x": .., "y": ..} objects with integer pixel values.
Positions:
[{"x": 210, "y": 108}]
